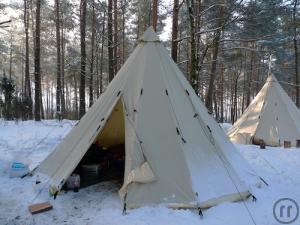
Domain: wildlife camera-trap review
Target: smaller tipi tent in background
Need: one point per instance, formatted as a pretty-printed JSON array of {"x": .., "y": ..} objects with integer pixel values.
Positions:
[{"x": 272, "y": 117}]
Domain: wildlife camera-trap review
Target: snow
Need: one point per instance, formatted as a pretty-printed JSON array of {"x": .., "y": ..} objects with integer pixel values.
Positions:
[
  {"x": 100, "y": 204},
  {"x": 226, "y": 126}
]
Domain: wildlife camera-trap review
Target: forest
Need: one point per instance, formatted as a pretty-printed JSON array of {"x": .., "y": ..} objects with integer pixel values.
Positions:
[{"x": 58, "y": 56}]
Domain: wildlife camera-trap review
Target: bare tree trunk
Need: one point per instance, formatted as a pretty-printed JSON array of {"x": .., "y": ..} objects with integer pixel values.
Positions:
[
  {"x": 115, "y": 44},
  {"x": 10, "y": 56},
  {"x": 47, "y": 100},
  {"x": 110, "y": 42},
  {"x": 83, "y": 58},
  {"x": 296, "y": 53},
  {"x": 216, "y": 42},
  {"x": 222, "y": 94},
  {"x": 193, "y": 65},
  {"x": 174, "y": 45},
  {"x": 123, "y": 30},
  {"x": 27, "y": 88},
  {"x": 216, "y": 105},
  {"x": 76, "y": 97},
  {"x": 91, "y": 89},
  {"x": 37, "y": 66},
  {"x": 154, "y": 13},
  {"x": 51, "y": 99},
  {"x": 63, "y": 102},
  {"x": 66, "y": 101},
  {"x": 58, "y": 61},
  {"x": 42, "y": 103},
  {"x": 233, "y": 113},
  {"x": 97, "y": 70},
  {"x": 249, "y": 81},
  {"x": 101, "y": 58}
]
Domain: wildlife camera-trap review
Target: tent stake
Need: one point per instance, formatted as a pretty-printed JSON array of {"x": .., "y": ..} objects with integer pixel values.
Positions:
[{"x": 200, "y": 212}]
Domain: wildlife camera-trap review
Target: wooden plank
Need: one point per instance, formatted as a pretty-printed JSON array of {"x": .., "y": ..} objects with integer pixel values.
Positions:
[{"x": 40, "y": 207}]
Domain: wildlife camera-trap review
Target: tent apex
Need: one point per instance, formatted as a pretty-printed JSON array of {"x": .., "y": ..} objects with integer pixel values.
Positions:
[{"x": 149, "y": 36}]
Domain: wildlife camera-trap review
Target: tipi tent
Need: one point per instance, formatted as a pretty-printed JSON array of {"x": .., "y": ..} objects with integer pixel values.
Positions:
[
  {"x": 271, "y": 117},
  {"x": 175, "y": 153}
]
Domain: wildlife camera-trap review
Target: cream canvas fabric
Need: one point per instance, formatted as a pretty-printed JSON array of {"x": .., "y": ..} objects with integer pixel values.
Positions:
[
  {"x": 272, "y": 117},
  {"x": 176, "y": 154}
]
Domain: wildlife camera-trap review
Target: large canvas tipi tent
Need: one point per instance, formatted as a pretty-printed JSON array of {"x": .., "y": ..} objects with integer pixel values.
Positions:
[
  {"x": 175, "y": 153},
  {"x": 271, "y": 117}
]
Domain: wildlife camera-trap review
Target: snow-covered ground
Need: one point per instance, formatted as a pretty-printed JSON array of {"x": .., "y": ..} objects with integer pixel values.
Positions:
[
  {"x": 226, "y": 126},
  {"x": 100, "y": 204}
]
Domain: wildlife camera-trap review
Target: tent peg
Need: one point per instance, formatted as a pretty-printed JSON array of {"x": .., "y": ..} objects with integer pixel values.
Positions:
[{"x": 200, "y": 212}]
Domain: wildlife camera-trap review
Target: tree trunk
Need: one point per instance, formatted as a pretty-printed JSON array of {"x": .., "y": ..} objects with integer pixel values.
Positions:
[
  {"x": 58, "y": 61},
  {"x": 193, "y": 65},
  {"x": 27, "y": 88},
  {"x": 10, "y": 56},
  {"x": 222, "y": 94},
  {"x": 97, "y": 70},
  {"x": 102, "y": 57},
  {"x": 83, "y": 58},
  {"x": 296, "y": 53},
  {"x": 123, "y": 30},
  {"x": 76, "y": 97},
  {"x": 110, "y": 42},
  {"x": 63, "y": 101},
  {"x": 249, "y": 81},
  {"x": 175, "y": 30},
  {"x": 216, "y": 42},
  {"x": 115, "y": 44},
  {"x": 154, "y": 14},
  {"x": 37, "y": 66},
  {"x": 91, "y": 89}
]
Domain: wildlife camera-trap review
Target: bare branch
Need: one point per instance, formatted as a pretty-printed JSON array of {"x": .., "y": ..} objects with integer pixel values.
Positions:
[{"x": 4, "y": 22}]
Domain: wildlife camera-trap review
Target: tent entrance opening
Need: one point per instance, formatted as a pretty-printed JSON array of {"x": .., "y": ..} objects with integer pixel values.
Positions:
[{"x": 105, "y": 159}]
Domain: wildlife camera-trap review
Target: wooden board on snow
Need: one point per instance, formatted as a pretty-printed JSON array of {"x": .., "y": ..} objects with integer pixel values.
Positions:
[{"x": 40, "y": 207}]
